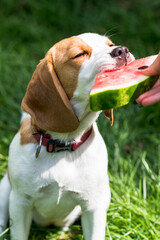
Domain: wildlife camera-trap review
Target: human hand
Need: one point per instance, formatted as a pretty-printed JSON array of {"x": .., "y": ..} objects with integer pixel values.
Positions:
[{"x": 153, "y": 95}]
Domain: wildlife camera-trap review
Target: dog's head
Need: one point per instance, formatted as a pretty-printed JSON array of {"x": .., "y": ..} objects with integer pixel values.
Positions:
[{"x": 57, "y": 96}]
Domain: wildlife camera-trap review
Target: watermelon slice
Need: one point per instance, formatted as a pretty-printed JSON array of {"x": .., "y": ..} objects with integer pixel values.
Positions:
[{"x": 115, "y": 88}]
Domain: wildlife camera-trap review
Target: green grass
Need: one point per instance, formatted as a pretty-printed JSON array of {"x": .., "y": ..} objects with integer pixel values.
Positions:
[{"x": 27, "y": 30}]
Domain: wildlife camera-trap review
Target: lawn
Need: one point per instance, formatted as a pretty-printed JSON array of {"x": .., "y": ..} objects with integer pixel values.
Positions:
[{"x": 27, "y": 30}]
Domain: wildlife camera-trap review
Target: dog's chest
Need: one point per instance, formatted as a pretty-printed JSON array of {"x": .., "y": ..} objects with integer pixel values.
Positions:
[
  {"x": 62, "y": 178},
  {"x": 52, "y": 197},
  {"x": 66, "y": 183},
  {"x": 64, "y": 174},
  {"x": 56, "y": 178}
]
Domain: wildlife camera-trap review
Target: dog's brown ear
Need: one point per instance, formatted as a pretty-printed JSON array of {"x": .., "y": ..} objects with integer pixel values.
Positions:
[
  {"x": 46, "y": 101},
  {"x": 109, "y": 114}
]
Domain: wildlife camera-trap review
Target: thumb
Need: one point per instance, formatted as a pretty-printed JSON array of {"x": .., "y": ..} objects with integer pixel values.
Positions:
[{"x": 154, "y": 68}]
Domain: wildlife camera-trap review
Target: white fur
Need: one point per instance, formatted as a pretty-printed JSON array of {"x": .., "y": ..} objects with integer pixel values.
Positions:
[
  {"x": 57, "y": 187},
  {"x": 5, "y": 189}
]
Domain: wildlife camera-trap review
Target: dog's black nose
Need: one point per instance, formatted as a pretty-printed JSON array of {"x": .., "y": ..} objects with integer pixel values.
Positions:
[{"x": 120, "y": 53}]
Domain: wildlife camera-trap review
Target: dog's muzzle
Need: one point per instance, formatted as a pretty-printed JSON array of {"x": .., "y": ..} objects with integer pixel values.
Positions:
[{"x": 120, "y": 53}]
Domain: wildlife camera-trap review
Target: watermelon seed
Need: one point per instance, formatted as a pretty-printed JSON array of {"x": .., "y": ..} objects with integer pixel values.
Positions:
[{"x": 143, "y": 67}]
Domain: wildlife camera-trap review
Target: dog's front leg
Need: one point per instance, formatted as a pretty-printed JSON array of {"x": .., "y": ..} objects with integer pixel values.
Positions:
[
  {"x": 5, "y": 189},
  {"x": 93, "y": 224},
  {"x": 20, "y": 216}
]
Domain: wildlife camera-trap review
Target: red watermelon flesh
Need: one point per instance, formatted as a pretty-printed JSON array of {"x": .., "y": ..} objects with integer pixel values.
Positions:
[{"x": 116, "y": 88}]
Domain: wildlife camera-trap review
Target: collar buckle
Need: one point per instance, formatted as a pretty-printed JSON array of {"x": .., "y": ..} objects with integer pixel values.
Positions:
[{"x": 57, "y": 146}]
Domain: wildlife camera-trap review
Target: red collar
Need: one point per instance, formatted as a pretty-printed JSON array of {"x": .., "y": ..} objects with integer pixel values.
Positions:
[{"x": 54, "y": 145}]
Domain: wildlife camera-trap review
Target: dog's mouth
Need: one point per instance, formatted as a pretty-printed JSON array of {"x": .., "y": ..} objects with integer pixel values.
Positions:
[
  {"x": 122, "y": 58},
  {"x": 119, "y": 62}
]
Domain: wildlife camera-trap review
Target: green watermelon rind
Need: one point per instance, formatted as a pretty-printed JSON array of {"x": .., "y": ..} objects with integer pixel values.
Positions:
[{"x": 115, "y": 98}]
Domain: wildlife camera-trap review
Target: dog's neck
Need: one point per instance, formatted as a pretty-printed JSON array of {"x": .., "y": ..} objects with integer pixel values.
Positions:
[{"x": 84, "y": 126}]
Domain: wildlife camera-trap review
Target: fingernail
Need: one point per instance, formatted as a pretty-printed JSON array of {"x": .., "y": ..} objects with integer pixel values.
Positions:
[
  {"x": 140, "y": 105},
  {"x": 142, "y": 68},
  {"x": 134, "y": 102}
]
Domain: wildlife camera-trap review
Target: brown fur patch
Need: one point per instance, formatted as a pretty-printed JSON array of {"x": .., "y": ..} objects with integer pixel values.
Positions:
[
  {"x": 53, "y": 84},
  {"x": 109, "y": 43},
  {"x": 46, "y": 101},
  {"x": 26, "y": 132},
  {"x": 66, "y": 66}
]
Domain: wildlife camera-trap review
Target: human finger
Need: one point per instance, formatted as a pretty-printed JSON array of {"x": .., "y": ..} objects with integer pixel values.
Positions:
[
  {"x": 149, "y": 97},
  {"x": 153, "y": 90},
  {"x": 152, "y": 99},
  {"x": 154, "y": 68}
]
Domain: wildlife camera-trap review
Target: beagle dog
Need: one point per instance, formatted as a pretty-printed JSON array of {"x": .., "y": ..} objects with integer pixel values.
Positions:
[{"x": 58, "y": 159}]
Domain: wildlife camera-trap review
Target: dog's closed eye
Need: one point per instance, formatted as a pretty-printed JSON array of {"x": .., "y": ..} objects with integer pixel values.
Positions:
[{"x": 80, "y": 55}]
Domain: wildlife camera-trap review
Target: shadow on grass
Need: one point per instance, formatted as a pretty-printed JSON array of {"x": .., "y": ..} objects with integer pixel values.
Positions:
[{"x": 50, "y": 233}]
